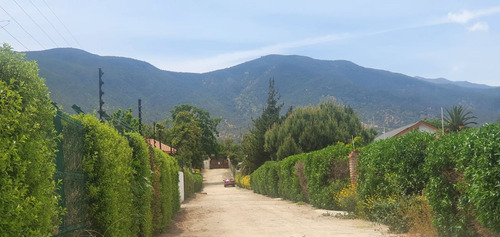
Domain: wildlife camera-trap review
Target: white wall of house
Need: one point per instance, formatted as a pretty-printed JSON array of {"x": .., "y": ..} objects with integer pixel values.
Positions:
[{"x": 424, "y": 128}]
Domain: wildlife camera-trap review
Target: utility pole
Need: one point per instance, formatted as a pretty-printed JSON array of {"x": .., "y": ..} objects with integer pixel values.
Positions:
[
  {"x": 101, "y": 112},
  {"x": 140, "y": 117}
]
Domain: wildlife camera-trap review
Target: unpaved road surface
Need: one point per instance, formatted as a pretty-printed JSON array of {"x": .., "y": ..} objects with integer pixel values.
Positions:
[{"x": 220, "y": 211}]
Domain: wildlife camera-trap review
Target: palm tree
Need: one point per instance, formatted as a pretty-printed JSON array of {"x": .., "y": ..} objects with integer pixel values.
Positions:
[{"x": 458, "y": 119}]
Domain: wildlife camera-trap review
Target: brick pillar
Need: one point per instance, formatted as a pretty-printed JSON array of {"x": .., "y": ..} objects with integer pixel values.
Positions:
[{"x": 353, "y": 166}]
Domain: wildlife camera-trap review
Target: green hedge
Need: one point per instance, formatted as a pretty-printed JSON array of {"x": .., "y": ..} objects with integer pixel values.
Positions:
[
  {"x": 166, "y": 198},
  {"x": 327, "y": 173},
  {"x": 394, "y": 166},
  {"x": 28, "y": 199},
  {"x": 192, "y": 183},
  {"x": 107, "y": 164},
  {"x": 141, "y": 186},
  {"x": 314, "y": 176},
  {"x": 293, "y": 181},
  {"x": 464, "y": 182}
]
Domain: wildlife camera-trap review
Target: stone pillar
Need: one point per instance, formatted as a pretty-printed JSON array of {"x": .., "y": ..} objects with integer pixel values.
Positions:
[{"x": 353, "y": 166}]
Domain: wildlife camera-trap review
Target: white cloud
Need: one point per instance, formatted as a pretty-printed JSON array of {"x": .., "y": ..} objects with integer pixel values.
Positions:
[
  {"x": 233, "y": 58},
  {"x": 465, "y": 16},
  {"x": 479, "y": 26}
]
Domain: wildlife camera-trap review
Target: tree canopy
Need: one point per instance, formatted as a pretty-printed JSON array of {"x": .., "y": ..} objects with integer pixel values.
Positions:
[
  {"x": 207, "y": 125},
  {"x": 457, "y": 118},
  {"x": 253, "y": 142},
  {"x": 315, "y": 127}
]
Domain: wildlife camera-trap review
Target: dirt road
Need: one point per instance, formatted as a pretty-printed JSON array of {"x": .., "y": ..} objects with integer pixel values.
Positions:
[{"x": 239, "y": 212}]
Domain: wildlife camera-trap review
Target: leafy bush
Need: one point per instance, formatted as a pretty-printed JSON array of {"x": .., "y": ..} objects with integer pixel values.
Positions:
[
  {"x": 293, "y": 181},
  {"x": 265, "y": 179},
  {"x": 327, "y": 173},
  {"x": 394, "y": 166},
  {"x": 192, "y": 183},
  {"x": 348, "y": 199},
  {"x": 141, "y": 186},
  {"x": 166, "y": 198},
  {"x": 243, "y": 181},
  {"x": 28, "y": 200},
  {"x": 107, "y": 164},
  {"x": 463, "y": 184}
]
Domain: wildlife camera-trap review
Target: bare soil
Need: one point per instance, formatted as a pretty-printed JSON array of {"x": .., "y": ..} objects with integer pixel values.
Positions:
[{"x": 220, "y": 211}]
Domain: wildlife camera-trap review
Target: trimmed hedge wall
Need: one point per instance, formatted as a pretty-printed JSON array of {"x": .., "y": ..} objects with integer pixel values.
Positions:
[
  {"x": 193, "y": 183},
  {"x": 166, "y": 197},
  {"x": 28, "y": 199},
  {"x": 464, "y": 183},
  {"x": 243, "y": 181},
  {"x": 107, "y": 164},
  {"x": 141, "y": 186},
  {"x": 314, "y": 176}
]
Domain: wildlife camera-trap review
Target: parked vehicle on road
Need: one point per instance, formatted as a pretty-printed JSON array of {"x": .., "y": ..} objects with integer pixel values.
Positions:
[{"x": 229, "y": 182}]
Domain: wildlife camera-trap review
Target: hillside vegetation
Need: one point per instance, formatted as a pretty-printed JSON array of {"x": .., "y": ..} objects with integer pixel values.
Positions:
[{"x": 238, "y": 93}]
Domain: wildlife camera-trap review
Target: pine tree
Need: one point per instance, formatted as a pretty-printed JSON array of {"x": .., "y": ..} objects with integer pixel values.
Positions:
[{"x": 253, "y": 143}]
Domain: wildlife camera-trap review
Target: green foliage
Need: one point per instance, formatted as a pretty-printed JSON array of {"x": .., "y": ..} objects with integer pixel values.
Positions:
[
  {"x": 265, "y": 179},
  {"x": 313, "y": 177},
  {"x": 28, "y": 200},
  {"x": 327, "y": 173},
  {"x": 166, "y": 198},
  {"x": 186, "y": 136},
  {"x": 315, "y": 127},
  {"x": 141, "y": 186},
  {"x": 293, "y": 181},
  {"x": 394, "y": 166},
  {"x": 192, "y": 183},
  {"x": 208, "y": 126},
  {"x": 457, "y": 119},
  {"x": 253, "y": 143},
  {"x": 107, "y": 164},
  {"x": 463, "y": 185},
  {"x": 124, "y": 121}
]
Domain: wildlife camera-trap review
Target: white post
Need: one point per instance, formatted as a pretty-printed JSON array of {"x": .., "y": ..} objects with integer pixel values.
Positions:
[{"x": 181, "y": 186}]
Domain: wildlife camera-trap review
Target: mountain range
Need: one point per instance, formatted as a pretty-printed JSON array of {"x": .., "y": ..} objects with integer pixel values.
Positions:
[{"x": 237, "y": 94}]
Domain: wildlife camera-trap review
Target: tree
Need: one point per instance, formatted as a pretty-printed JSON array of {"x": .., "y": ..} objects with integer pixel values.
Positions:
[
  {"x": 458, "y": 119},
  {"x": 28, "y": 199},
  {"x": 253, "y": 142},
  {"x": 208, "y": 126},
  {"x": 185, "y": 136},
  {"x": 124, "y": 121},
  {"x": 315, "y": 127}
]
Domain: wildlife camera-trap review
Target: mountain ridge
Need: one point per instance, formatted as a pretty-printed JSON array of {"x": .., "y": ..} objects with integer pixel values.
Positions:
[{"x": 238, "y": 93}]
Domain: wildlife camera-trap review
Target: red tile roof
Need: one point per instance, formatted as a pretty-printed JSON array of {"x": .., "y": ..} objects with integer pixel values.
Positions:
[{"x": 156, "y": 144}]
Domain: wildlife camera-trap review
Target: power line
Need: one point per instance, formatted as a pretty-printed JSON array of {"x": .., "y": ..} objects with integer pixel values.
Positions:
[
  {"x": 72, "y": 36},
  {"x": 50, "y": 23},
  {"x": 23, "y": 28},
  {"x": 36, "y": 23},
  {"x": 3, "y": 27}
]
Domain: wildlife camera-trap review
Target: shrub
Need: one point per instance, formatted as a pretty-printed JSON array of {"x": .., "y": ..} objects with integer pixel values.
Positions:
[
  {"x": 166, "y": 198},
  {"x": 292, "y": 179},
  {"x": 394, "y": 166},
  {"x": 243, "y": 181},
  {"x": 107, "y": 164},
  {"x": 28, "y": 199},
  {"x": 192, "y": 183},
  {"x": 265, "y": 179},
  {"x": 348, "y": 199},
  {"x": 463, "y": 184},
  {"x": 198, "y": 182},
  {"x": 141, "y": 186},
  {"x": 327, "y": 173}
]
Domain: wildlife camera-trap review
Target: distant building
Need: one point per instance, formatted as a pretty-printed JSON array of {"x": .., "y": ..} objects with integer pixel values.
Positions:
[
  {"x": 156, "y": 144},
  {"x": 421, "y": 126}
]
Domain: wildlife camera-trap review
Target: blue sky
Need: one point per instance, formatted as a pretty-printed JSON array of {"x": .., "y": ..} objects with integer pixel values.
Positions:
[{"x": 457, "y": 40}]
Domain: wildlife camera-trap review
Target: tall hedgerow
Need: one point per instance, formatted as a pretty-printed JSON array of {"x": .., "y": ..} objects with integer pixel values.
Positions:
[
  {"x": 107, "y": 164},
  {"x": 141, "y": 186},
  {"x": 463, "y": 182},
  {"x": 166, "y": 198},
  {"x": 327, "y": 173},
  {"x": 28, "y": 201}
]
